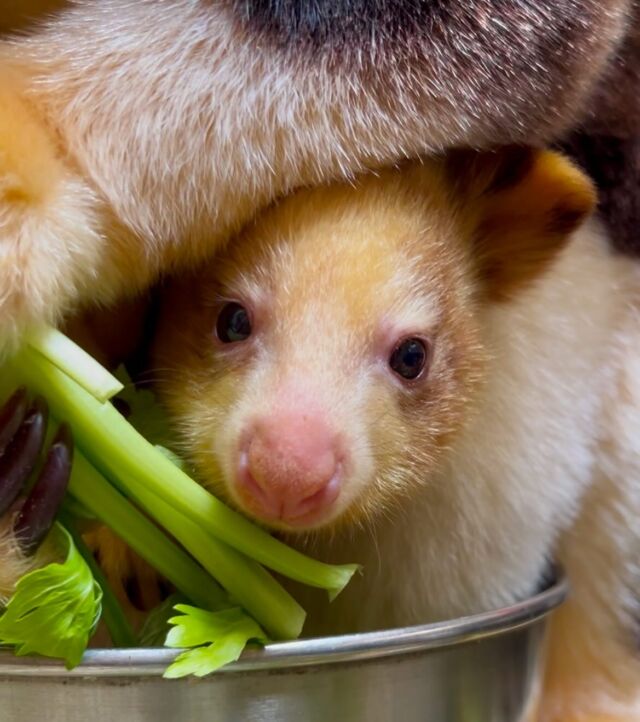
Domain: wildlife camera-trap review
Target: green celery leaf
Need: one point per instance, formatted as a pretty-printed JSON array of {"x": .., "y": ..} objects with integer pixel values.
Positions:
[
  {"x": 55, "y": 609},
  {"x": 156, "y": 625},
  {"x": 146, "y": 415},
  {"x": 224, "y": 633}
]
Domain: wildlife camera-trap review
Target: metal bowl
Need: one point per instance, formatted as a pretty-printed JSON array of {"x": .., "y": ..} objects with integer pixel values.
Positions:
[{"x": 483, "y": 668}]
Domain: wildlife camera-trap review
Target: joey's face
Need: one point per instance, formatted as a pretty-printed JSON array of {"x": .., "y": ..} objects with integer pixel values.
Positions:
[{"x": 319, "y": 368}]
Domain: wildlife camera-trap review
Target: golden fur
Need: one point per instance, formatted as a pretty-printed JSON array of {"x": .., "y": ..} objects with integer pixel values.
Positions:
[{"x": 522, "y": 442}]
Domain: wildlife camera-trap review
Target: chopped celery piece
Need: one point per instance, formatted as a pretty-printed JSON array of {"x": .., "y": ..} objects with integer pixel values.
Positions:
[
  {"x": 173, "y": 457},
  {"x": 245, "y": 580},
  {"x": 216, "y": 639},
  {"x": 76, "y": 510},
  {"x": 107, "y": 503},
  {"x": 74, "y": 361},
  {"x": 55, "y": 609},
  {"x": 125, "y": 456}
]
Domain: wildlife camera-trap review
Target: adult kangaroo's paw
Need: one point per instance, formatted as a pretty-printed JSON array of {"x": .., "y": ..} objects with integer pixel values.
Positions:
[{"x": 25, "y": 520}]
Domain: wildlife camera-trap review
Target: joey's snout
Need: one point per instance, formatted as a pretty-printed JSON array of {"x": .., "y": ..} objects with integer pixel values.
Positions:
[{"x": 290, "y": 467}]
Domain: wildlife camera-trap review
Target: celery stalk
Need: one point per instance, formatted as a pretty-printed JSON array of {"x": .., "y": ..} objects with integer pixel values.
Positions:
[
  {"x": 247, "y": 582},
  {"x": 89, "y": 487},
  {"x": 124, "y": 455},
  {"x": 74, "y": 361}
]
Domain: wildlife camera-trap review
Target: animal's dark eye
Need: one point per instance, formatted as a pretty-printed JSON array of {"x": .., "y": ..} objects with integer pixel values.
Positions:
[
  {"x": 233, "y": 323},
  {"x": 409, "y": 358}
]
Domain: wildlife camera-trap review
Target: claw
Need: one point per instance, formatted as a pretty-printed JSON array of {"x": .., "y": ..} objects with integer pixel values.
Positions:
[
  {"x": 41, "y": 506},
  {"x": 21, "y": 455},
  {"x": 11, "y": 416}
]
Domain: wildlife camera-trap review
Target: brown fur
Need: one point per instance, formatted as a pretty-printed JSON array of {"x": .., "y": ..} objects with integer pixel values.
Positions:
[
  {"x": 526, "y": 219},
  {"x": 166, "y": 144}
]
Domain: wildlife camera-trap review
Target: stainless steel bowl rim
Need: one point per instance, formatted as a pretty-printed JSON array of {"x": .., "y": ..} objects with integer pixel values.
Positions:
[{"x": 306, "y": 652}]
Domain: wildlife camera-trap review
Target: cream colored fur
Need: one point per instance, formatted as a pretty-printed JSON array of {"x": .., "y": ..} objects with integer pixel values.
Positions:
[
  {"x": 14, "y": 563},
  {"x": 546, "y": 463},
  {"x": 550, "y": 465}
]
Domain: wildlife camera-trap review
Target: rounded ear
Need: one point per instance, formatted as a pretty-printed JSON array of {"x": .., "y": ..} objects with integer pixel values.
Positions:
[{"x": 525, "y": 203}]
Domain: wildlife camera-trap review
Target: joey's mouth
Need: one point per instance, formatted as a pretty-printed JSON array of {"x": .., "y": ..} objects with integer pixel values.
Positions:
[{"x": 310, "y": 512}]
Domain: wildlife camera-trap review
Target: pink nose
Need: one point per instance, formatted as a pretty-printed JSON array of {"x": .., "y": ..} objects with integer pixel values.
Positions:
[{"x": 289, "y": 468}]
